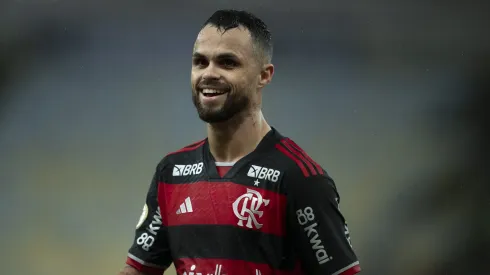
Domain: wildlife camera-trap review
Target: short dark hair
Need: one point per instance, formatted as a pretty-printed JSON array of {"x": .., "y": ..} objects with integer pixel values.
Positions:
[{"x": 225, "y": 20}]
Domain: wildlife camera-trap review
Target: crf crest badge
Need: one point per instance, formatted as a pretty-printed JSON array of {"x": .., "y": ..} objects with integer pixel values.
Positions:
[{"x": 247, "y": 208}]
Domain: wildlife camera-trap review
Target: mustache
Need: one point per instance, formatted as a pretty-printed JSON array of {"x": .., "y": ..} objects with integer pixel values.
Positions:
[{"x": 213, "y": 84}]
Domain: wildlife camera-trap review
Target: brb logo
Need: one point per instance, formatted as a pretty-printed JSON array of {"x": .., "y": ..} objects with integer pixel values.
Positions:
[
  {"x": 263, "y": 173},
  {"x": 247, "y": 206},
  {"x": 186, "y": 170}
]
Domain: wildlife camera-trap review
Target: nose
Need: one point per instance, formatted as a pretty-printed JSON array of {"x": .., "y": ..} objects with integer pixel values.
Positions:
[{"x": 211, "y": 72}]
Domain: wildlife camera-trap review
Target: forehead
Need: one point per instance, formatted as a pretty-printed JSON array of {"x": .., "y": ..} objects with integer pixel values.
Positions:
[{"x": 211, "y": 41}]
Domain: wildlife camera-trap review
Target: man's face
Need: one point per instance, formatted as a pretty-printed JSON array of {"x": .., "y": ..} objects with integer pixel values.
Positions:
[{"x": 225, "y": 73}]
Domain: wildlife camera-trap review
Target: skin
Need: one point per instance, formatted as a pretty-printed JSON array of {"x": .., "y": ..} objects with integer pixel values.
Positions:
[
  {"x": 230, "y": 62},
  {"x": 235, "y": 123},
  {"x": 128, "y": 270}
]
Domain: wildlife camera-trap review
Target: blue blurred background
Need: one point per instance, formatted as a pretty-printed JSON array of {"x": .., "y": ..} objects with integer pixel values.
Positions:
[{"x": 389, "y": 96}]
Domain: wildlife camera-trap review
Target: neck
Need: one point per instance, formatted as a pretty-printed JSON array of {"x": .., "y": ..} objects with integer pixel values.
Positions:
[{"x": 231, "y": 140}]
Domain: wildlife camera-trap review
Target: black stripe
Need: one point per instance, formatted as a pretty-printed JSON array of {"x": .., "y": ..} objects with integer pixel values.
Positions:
[
  {"x": 295, "y": 154},
  {"x": 229, "y": 242}
]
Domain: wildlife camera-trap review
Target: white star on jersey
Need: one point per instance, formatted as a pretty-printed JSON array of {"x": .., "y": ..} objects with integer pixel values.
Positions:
[{"x": 256, "y": 182}]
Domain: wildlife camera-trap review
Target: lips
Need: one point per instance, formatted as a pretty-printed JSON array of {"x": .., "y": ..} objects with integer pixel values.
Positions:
[{"x": 213, "y": 92}]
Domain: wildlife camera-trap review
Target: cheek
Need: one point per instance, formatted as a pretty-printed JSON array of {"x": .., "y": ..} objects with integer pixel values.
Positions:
[
  {"x": 240, "y": 85},
  {"x": 252, "y": 82},
  {"x": 194, "y": 79},
  {"x": 240, "y": 81}
]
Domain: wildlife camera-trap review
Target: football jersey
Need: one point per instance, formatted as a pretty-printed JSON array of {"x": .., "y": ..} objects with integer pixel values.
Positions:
[{"x": 275, "y": 211}]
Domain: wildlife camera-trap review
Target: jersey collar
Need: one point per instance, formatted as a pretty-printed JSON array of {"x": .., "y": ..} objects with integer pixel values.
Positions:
[{"x": 267, "y": 143}]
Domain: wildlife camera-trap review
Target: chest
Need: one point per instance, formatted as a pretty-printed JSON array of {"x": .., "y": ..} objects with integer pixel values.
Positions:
[{"x": 252, "y": 199}]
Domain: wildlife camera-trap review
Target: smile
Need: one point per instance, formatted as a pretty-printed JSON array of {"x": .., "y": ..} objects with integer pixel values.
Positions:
[{"x": 213, "y": 92}]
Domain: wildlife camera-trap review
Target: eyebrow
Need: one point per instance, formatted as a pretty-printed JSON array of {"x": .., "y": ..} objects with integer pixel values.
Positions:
[
  {"x": 226, "y": 55},
  {"x": 197, "y": 55}
]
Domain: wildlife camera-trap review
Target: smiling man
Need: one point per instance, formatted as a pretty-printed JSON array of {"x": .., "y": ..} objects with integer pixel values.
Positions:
[{"x": 245, "y": 200}]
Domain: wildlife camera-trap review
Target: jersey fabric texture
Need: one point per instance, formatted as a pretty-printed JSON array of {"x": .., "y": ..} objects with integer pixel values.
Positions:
[{"x": 275, "y": 211}]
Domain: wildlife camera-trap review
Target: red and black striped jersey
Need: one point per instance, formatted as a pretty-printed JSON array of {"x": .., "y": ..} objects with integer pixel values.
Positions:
[{"x": 275, "y": 211}]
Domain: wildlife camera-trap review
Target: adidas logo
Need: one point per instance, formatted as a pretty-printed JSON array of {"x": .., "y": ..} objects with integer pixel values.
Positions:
[
  {"x": 185, "y": 207},
  {"x": 262, "y": 173}
]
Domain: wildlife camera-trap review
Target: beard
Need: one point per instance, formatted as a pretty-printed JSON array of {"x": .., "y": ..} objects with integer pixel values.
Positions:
[{"x": 234, "y": 103}]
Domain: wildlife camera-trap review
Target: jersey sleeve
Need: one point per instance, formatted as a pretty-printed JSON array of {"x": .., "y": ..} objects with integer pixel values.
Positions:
[
  {"x": 150, "y": 252},
  {"x": 317, "y": 228}
]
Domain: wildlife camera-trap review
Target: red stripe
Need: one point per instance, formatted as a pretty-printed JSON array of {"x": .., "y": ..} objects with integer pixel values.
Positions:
[
  {"x": 297, "y": 153},
  {"x": 191, "y": 147},
  {"x": 222, "y": 170},
  {"x": 195, "y": 143},
  {"x": 223, "y": 203},
  {"x": 295, "y": 159},
  {"x": 294, "y": 145},
  {"x": 227, "y": 267},
  {"x": 351, "y": 271},
  {"x": 143, "y": 268}
]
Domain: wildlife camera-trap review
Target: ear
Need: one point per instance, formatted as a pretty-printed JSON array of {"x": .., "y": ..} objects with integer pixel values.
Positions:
[{"x": 266, "y": 75}]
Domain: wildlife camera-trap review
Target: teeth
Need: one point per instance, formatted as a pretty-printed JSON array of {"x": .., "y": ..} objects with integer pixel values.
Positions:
[{"x": 211, "y": 91}]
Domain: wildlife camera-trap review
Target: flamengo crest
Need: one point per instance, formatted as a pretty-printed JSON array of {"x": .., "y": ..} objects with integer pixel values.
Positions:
[{"x": 246, "y": 208}]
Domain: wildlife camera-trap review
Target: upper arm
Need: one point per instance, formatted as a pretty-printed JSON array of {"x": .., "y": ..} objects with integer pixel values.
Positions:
[
  {"x": 317, "y": 227},
  {"x": 150, "y": 251}
]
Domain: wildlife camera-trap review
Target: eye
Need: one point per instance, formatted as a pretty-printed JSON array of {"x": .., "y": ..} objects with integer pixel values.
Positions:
[
  {"x": 199, "y": 62},
  {"x": 228, "y": 63}
]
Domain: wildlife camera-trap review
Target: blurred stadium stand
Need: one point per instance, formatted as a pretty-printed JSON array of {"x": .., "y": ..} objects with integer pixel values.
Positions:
[{"x": 390, "y": 96}]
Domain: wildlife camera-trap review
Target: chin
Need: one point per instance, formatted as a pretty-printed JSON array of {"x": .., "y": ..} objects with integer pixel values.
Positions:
[{"x": 211, "y": 118}]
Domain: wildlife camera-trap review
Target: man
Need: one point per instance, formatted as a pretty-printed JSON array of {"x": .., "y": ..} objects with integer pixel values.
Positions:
[{"x": 245, "y": 200}]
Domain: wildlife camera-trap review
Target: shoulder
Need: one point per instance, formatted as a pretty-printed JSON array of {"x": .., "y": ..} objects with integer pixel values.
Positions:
[
  {"x": 304, "y": 175},
  {"x": 182, "y": 155},
  {"x": 299, "y": 164}
]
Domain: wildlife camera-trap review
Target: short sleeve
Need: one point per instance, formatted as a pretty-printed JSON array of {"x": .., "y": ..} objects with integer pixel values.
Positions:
[
  {"x": 317, "y": 227},
  {"x": 150, "y": 252}
]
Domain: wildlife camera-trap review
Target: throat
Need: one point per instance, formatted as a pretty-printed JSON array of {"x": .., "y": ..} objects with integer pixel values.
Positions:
[{"x": 233, "y": 140}]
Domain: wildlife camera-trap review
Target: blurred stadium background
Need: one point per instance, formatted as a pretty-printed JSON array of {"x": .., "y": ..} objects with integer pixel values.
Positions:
[{"x": 390, "y": 96}]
